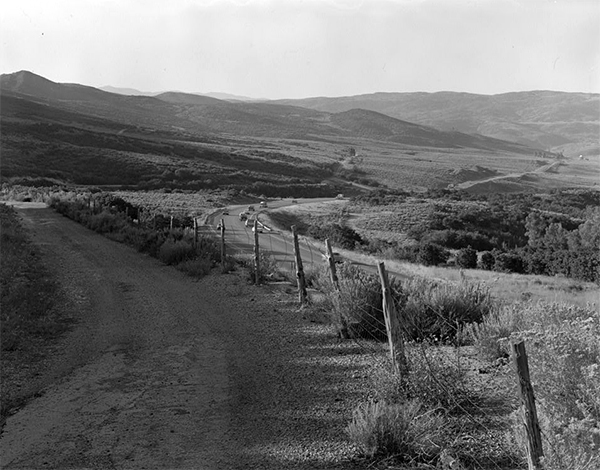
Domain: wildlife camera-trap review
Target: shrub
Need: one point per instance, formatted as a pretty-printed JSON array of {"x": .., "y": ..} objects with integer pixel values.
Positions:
[
  {"x": 197, "y": 267},
  {"x": 509, "y": 263},
  {"x": 267, "y": 265},
  {"x": 569, "y": 445},
  {"x": 144, "y": 240},
  {"x": 436, "y": 378},
  {"x": 106, "y": 222},
  {"x": 466, "y": 258},
  {"x": 438, "y": 312},
  {"x": 431, "y": 254},
  {"x": 339, "y": 235},
  {"x": 491, "y": 336},
  {"x": 359, "y": 300},
  {"x": 563, "y": 346},
  {"x": 403, "y": 430},
  {"x": 487, "y": 261},
  {"x": 174, "y": 252}
]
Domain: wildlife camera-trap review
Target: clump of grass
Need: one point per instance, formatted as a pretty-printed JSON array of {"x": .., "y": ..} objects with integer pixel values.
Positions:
[{"x": 406, "y": 430}]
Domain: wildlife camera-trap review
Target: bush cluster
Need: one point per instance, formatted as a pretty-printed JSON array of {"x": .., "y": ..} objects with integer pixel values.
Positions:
[
  {"x": 547, "y": 234},
  {"x": 113, "y": 217}
]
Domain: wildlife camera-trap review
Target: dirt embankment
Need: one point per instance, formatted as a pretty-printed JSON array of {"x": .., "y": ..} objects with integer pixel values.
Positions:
[{"x": 162, "y": 371}]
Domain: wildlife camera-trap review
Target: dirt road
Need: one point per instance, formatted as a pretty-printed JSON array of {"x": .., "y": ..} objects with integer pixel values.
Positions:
[{"x": 162, "y": 371}]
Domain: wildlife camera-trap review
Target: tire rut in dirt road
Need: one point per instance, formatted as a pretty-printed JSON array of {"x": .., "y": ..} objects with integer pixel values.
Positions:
[{"x": 145, "y": 379}]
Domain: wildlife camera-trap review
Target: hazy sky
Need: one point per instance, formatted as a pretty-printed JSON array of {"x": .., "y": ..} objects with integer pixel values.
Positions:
[{"x": 301, "y": 48}]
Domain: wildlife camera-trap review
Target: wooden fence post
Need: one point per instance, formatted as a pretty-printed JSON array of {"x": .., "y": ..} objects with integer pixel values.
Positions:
[
  {"x": 302, "y": 294},
  {"x": 222, "y": 245},
  {"x": 195, "y": 232},
  {"x": 331, "y": 260},
  {"x": 256, "y": 254},
  {"x": 529, "y": 413},
  {"x": 344, "y": 332},
  {"x": 392, "y": 325},
  {"x": 171, "y": 224}
]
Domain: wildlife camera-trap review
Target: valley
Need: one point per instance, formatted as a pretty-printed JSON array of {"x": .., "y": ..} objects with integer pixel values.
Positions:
[
  {"x": 72, "y": 134},
  {"x": 159, "y": 347}
]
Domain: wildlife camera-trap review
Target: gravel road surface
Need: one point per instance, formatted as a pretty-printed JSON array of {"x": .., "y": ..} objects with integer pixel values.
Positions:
[{"x": 163, "y": 371}]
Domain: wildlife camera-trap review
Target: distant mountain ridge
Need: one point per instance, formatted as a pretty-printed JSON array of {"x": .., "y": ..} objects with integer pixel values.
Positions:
[
  {"x": 557, "y": 121},
  {"x": 217, "y": 95},
  {"x": 199, "y": 114}
]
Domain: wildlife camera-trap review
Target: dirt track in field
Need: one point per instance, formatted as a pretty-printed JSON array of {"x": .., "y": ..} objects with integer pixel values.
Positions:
[{"x": 163, "y": 371}]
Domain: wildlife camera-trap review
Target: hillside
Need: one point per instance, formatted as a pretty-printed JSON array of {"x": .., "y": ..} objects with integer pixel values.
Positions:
[
  {"x": 81, "y": 135},
  {"x": 546, "y": 120},
  {"x": 194, "y": 113}
]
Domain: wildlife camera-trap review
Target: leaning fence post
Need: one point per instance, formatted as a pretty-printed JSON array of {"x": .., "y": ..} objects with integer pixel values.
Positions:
[
  {"x": 529, "y": 413},
  {"x": 302, "y": 294},
  {"x": 195, "y": 232},
  {"x": 256, "y": 255},
  {"x": 392, "y": 325}
]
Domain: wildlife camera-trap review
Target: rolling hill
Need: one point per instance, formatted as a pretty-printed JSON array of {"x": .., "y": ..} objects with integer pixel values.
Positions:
[
  {"x": 546, "y": 120},
  {"x": 78, "y": 134},
  {"x": 200, "y": 114}
]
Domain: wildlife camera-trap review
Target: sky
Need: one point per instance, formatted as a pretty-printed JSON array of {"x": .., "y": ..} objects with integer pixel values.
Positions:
[{"x": 304, "y": 48}]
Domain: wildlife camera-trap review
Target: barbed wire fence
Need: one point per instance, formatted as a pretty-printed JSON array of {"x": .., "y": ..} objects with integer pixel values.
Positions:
[{"x": 481, "y": 424}]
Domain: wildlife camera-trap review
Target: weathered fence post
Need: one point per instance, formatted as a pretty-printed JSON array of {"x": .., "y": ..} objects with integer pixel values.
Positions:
[
  {"x": 343, "y": 324},
  {"x": 222, "y": 225},
  {"x": 392, "y": 325},
  {"x": 331, "y": 260},
  {"x": 302, "y": 294},
  {"x": 256, "y": 255},
  {"x": 530, "y": 421},
  {"x": 171, "y": 224},
  {"x": 195, "y": 232}
]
